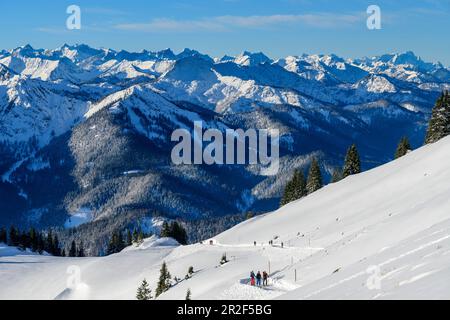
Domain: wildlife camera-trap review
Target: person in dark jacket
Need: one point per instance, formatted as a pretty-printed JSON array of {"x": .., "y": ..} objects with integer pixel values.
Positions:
[
  {"x": 252, "y": 278},
  {"x": 265, "y": 278},
  {"x": 258, "y": 279}
]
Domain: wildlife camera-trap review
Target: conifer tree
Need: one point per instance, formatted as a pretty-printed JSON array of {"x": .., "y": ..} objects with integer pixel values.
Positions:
[
  {"x": 141, "y": 236},
  {"x": 33, "y": 240},
  {"x": 49, "y": 243},
  {"x": 352, "y": 163},
  {"x": 135, "y": 235},
  {"x": 295, "y": 188},
  {"x": 144, "y": 292},
  {"x": 120, "y": 242},
  {"x": 40, "y": 243},
  {"x": 23, "y": 240},
  {"x": 337, "y": 175},
  {"x": 314, "y": 177},
  {"x": 73, "y": 249},
  {"x": 164, "y": 281},
  {"x": 439, "y": 124},
  {"x": 165, "y": 230},
  {"x": 287, "y": 193},
  {"x": 80, "y": 252},
  {"x": 299, "y": 189},
  {"x": 3, "y": 235},
  {"x": 178, "y": 233},
  {"x": 116, "y": 244},
  {"x": 56, "y": 248},
  {"x": 112, "y": 246},
  {"x": 13, "y": 237},
  {"x": 129, "y": 238},
  {"x": 174, "y": 230},
  {"x": 403, "y": 148}
]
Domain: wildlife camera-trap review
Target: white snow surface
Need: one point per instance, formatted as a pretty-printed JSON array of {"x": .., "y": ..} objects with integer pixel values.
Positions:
[{"x": 382, "y": 234}]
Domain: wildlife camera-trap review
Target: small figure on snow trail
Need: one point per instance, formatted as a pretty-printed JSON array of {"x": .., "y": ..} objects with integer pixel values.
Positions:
[
  {"x": 265, "y": 278},
  {"x": 258, "y": 279},
  {"x": 254, "y": 243},
  {"x": 252, "y": 278}
]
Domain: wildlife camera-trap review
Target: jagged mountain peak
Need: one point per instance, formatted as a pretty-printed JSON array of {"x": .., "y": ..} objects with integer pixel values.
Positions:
[
  {"x": 375, "y": 84},
  {"x": 248, "y": 58},
  {"x": 186, "y": 53},
  {"x": 167, "y": 54}
]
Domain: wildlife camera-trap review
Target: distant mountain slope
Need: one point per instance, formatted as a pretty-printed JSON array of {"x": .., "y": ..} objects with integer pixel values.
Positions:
[{"x": 96, "y": 125}]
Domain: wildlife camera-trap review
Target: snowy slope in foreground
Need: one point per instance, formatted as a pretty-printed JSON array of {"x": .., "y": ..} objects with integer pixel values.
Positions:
[{"x": 393, "y": 221}]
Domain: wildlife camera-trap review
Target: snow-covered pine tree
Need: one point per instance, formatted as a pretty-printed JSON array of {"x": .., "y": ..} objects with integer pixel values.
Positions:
[
  {"x": 352, "y": 163},
  {"x": 144, "y": 292},
  {"x": 164, "y": 280},
  {"x": 403, "y": 148},
  {"x": 439, "y": 125},
  {"x": 314, "y": 182}
]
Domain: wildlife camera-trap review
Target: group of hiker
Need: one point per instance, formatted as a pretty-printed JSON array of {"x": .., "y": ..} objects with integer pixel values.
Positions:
[
  {"x": 270, "y": 243},
  {"x": 256, "y": 279}
]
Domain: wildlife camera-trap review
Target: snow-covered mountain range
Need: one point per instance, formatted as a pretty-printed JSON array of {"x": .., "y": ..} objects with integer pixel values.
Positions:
[
  {"x": 88, "y": 130},
  {"x": 381, "y": 234}
]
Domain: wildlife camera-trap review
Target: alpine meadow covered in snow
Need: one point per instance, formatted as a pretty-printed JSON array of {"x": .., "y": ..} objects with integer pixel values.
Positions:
[{"x": 270, "y": 174}]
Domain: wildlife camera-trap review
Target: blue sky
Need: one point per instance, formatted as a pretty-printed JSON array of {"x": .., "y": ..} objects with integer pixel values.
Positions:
[{"x": 217, "y": 27}]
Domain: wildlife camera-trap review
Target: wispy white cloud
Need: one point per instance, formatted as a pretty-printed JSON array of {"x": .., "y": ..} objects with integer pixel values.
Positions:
[
  {"x": 104, "y": 11},
  {"x": 225, "y": 23}
]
